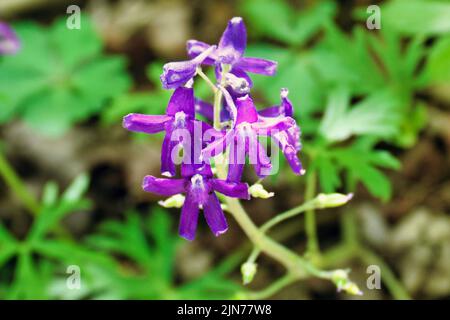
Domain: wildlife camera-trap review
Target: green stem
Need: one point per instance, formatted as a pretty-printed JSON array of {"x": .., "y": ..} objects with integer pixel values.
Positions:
[
  {"x": 273, "y": 288},
  {"x": 217, "y": 105},
  {"x": 310, "y": 217},
  {"x": 207, "y": 80},
  {"x": 16, "y": 185},
  {"x": 294, "y": 263},
  {"x": 280, "y": 218}
]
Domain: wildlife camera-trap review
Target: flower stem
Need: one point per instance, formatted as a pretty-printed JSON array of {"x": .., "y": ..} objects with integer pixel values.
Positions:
[
  {"x": 217, "y": 104},
  {"x": 207, "y": 80},
  {"x": 280, "y": 218},
  {"x": 294, "y": 263},
  {"x": 273, "y": 288},
  {"x": 17, "y": 186},
  {"x": 310, "y": 217}
]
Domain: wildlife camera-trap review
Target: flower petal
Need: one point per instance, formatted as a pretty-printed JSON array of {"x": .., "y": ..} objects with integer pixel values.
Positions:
[
  {"x": 257, "y": 65},
  {"x": 285, "y": 143},
  {"x": 145, "y": 123},
  {"x": 233, "y": 41},
  {"x": 242, "y": 74},
  {"x": 236, "y": 159},
  {"x": 214, "y": 215},
  {"x": 188, "y": 219},
  {"x": 267, "y": 125},
  {"x": 9, "y": 43},
  {"x": 204, "y": 108},
  {"x": 231, "y": 189},
  {"x": 168, "y": 167},
  {"x": 246, "y": 110},
  {"x": 235, "y": 172},
  {"x": 271, "y": 112},
  {"x": 195, "y": 48},
  {"x": 163, "y": 186},
  {"x": 284, "y": 109},
  {"x": 176, "y": 74},
  {"x": 263, "y": 165},
  {"x": 182, "y": 100},
  {"x": 218, "y": 145}
]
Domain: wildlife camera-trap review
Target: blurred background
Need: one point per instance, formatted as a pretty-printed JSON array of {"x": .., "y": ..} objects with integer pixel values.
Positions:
[{"x": 373, "y": 106}]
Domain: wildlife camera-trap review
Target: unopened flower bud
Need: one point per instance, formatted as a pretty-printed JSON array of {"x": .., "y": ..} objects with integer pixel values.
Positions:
[
  {"x": 175, "y": 201},
  {"x": 331, "y": 200},
  {"x": 343, "y": 283},
  {"x": 248, "y": 270},
  {"x": 257, "y": 191}
]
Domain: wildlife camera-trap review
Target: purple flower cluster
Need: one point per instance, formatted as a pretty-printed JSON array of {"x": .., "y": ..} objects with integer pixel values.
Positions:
[
  {"x": 237, "y": 137},
  {"x": 9, "y": 43}
]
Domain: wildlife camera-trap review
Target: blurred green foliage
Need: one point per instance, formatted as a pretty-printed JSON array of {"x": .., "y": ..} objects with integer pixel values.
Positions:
[
  {"x": 364, "y": 84},
  {"x": 130, "y": 259},
  {"x": 59, "y": 77}
]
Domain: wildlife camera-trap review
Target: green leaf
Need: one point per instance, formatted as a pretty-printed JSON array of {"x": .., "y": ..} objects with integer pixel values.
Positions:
[
  {"x": 84, "y": 43},
  {"x": 70, "y": 201},
  {"x": 328, "y": 174},
  {"x": 342, "y": 60},
  {"x": 410, "y": 17},
  {"x": 360, "y": 164},
  {"x": 375, "y": 115},
  {"x": 76, "y": 189},
  {"x": 295, "y": 72},
  {"x": 59, "y": 77},
  {"x": 438, "y": 64},
  {"x": 285, "y": 24}
]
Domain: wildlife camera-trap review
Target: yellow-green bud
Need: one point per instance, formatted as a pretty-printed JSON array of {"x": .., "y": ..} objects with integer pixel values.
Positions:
[
  {"x": 343, "y": 283},
  {"x": 175, "y": 201},
  {"x": 257, "y": 191},
  {"x": 331, "y": 200},
  {"x": 248, "y": 270}
]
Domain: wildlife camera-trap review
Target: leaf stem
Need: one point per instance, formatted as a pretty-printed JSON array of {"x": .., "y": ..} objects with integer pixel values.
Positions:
[{"x": 15, "y": 184}]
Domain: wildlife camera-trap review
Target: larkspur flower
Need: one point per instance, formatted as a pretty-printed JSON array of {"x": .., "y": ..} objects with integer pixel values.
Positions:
[
  {"x": 177, "y": 74},
  {"x": 287, "y": 140},
  {"x": 243, "y": 141},
  {"x": 242, "y": 126},
  {"x": 285, "y": 108},
  {"x": 180, "y": 115},
  {"x": 199, "y": 186},
  {"x": 9, "y": 43},
  {"x": 230, "y": 51}
]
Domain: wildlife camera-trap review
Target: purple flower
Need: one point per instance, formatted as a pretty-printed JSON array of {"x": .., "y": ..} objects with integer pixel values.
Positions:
[
  {"x": 200, "y": 142},
  {"x": 284, "y": 109},
  {"x": 243, "y": 141},
  {"x": 199, "y": 186},
  {"x": 230, "y": 51},
  {"x": 180, "y": 115},
  {"x": 177, "y": 74},
  {"x": 9, "y": 43}
]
